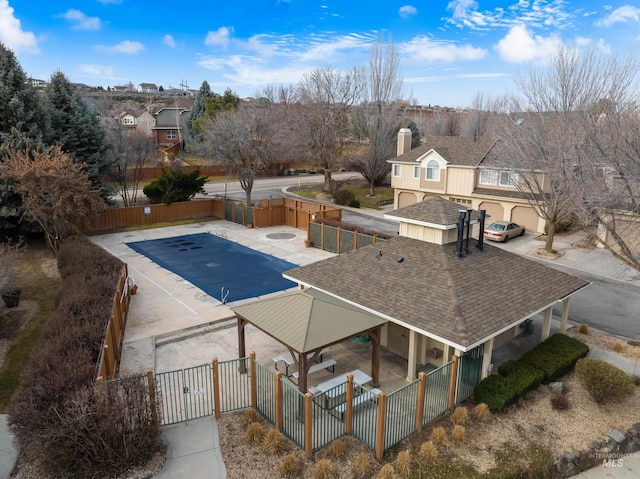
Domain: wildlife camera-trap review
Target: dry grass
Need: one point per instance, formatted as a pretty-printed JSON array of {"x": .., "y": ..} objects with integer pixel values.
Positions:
[
  {"x": 291, "y": 466},
  {"x": 273, "y": 442},
  {"x": 323, "y": 469},
  {"x": 439, "y": 436},
  {"x": 255, "y": 433},
  {"x": 403, "y": 464},
  {"x": 482, "y": 412},
  {"x": 428, "y": 452},
  {"x": 386, "y": 472},
  {"x": 362, "y": 466},
  {"x": 460, "y": 416},
  {"x": 584, "y": 329},
  {"x": 618, "y": 346},
  {"x": 457, "y": 434},
  {"x": 250, "y": 416},
  {"x": 630, "y": 350},
  {"x": 337, "y": 449},
  {"x": 559, "y": 401}
]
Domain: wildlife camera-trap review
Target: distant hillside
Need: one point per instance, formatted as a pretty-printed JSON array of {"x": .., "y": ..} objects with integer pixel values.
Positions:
[{"x": 151, "y": 102}]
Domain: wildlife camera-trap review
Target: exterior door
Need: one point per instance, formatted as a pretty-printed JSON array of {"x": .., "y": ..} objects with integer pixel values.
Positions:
[{"x": 399, "y": 340}]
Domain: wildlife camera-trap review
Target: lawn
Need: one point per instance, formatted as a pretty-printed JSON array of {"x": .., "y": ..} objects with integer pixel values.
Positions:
[
  {"x": 384, "y": 194},
  {"x": 36, "y": 274}
]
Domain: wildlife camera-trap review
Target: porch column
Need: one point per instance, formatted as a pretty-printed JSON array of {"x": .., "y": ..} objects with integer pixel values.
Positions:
[
  {"x": 375, "y": 356},
  {"x": 565, "y": 315},
  {"x": 486, "y": 358},
  {"x": 242, "y": 349},
  {"x": 546, "y": 324},
  {"x": 445, "y": 353},
  {"x": 413, "y": 355}
]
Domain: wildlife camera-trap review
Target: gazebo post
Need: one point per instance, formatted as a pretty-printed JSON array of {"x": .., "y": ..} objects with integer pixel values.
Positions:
[
  {"x": 304, "y": 371},
  {"x": 242, "y": 347},
  {"x": 375, "y": 356}
]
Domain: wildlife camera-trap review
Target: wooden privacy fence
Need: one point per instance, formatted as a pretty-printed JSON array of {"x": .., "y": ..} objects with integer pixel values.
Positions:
[
  {"x": 271, "y": 212},
  {"x": 311, "y": 421},
  {"x": 338, "y": 240},
  {"x": 109, "y": 358}
]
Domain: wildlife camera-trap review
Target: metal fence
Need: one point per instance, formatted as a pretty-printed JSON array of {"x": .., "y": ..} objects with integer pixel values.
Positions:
[
  {"x": 365, "y": 417},
  {"x": 186, "y": 394},
  {"x": 293, "y": 417},
  {"x": 265, "y": 394},
  {"x": 235, "y": 385},
  {"x": 436, "y": 397},
  {"x": 327, "y": 423},
  {"x": 400, "y": 417},
  {"x": 469, "y": 373}
]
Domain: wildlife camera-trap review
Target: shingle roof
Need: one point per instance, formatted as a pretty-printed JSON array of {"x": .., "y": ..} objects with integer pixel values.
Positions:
[
  {"x": 457, "y": 150},
  {"x": 463, "y": 301},
  {"x": 434, "y": 211}
]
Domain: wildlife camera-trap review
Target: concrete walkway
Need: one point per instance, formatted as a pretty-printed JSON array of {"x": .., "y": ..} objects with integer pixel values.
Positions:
[{"x": 8, "y": 453}]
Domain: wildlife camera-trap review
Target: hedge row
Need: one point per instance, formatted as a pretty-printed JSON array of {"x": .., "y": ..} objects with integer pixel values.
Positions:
[
  {"x": 544, "y": 363},
  {"x": 76, "y": 427}
]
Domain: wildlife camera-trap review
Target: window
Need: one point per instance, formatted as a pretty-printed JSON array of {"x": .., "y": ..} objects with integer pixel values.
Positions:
[
  {"x": 396, "y": 170},
  {"x": 416, "y": 172},
  {"x": 127, "y": 120},
  {"x": 508, "y": 178},
  {"x": 171, "y": 134},
  {"x": 433, "y": 171},
  {"x": 488, "y": 177}
]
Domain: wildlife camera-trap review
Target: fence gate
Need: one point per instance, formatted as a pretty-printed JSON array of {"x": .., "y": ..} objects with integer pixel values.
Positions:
[
  {"x": 186, "y": 394},
  {"x": 469, "y": 373}
]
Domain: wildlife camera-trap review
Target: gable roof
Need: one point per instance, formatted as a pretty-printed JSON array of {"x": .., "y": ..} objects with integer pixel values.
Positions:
[
  {"x": 307, "y": 320},
  {"x": 435, "y": 212},
  {"x": 457, "y": 150},
  {"x": 462, "y": 302}
]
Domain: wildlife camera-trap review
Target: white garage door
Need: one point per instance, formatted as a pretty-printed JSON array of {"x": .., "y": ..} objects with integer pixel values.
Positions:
[
  {"x": 527, "y": 217},
  {"x": 495, "y": 211},
  {"x": 406, "y": 199}
]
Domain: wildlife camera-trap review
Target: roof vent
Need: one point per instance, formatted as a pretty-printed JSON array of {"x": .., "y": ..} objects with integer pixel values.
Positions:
[
  {"x": 379, "y": 255},
  {"x": 400, "y": 259}
]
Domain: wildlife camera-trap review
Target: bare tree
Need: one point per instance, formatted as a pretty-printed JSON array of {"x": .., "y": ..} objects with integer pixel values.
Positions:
[
  {"x": 552, "y": 144},
  {"x": 379, "y": 116},
  {"x": 130, "y": 152},
  {"x": 246, "y": 141},
  {"x": 57, "y": 193},
  {"x": 327, "y": 97},
  {"x": 477, "y": 121}
]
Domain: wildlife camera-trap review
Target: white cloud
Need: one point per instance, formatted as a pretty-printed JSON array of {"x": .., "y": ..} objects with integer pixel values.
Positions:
[
  {"x": 12, "y": 34},
  {"x": 461, "y": 7},
  {"x": 221, "y": 37},
  {"x": 323, "y": 49},
  {"x": 520, "y": 45},
  {"x": 249, "y": 71},
  {"x": 101, "y": 71},
  {"x": 169, "y": 41},
  {"x": 407, "y": 10},
  {"x": 583, "y": 41},
  {"x": 422, "y": 48},
  {"x": 603, "y": 46},
  {"x": 127, "y": 47},
  {"x": 81, "y": 21},
  {"x": 622, "y": 14}
]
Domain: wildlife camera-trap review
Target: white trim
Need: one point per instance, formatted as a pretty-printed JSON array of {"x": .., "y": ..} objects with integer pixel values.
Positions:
[{"x": 424, "y": 223}]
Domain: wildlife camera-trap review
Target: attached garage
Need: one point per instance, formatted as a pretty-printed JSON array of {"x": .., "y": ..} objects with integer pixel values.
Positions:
[
  {"x": 527, "y": 217},
  {"x": 406, "y": 199},
  {"x": 494, "y": 210}
]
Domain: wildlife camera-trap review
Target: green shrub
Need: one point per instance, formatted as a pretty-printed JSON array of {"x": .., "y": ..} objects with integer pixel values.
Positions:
[
  {"x": 354, "y": 203},
  {"x": 556, "y": 356},
  {"x": 604, "y": 381},
  {"x": 499, "y": 391},
  {"x": 343, "y": 197}
]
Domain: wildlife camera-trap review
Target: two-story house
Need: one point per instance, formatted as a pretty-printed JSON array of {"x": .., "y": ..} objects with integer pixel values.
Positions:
[
  {"x": 148, "y": 88},
  {"x": 168, "y": 126},
  {"x": 141, "y": 120},
  {"x": 464, "y": 170}
]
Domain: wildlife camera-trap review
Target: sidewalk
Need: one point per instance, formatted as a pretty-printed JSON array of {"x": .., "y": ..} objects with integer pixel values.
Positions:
[{"x": 8, "y": 453}]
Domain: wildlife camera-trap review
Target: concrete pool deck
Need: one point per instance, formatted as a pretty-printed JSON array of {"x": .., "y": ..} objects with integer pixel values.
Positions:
[{"x": 167, "y": 307}]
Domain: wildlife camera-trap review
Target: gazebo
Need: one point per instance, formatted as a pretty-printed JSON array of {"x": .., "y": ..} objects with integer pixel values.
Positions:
[{"x": 306, "y": 322}]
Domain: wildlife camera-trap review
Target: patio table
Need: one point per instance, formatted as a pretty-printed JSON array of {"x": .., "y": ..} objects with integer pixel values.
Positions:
[
  {"x": 329, "y": 387},
  {"x": 287, "y": 358}
]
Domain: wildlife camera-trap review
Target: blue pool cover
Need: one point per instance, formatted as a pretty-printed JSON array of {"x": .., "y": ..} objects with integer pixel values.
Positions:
[{"x": 223, "y": 269}]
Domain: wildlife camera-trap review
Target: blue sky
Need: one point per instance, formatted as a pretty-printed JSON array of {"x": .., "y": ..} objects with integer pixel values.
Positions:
[{"x": 449, "y": 50}]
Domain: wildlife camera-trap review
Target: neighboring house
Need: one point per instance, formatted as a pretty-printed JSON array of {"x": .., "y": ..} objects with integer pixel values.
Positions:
[
  {"x": 148, "y": 88},
  {"x": 439, "y": 297},
  {"x": 168, "y": 126},
  {"x": 138, "y": 119},
  {"x": 463, "y": 170},
  {"x": 35, "y": 83}
]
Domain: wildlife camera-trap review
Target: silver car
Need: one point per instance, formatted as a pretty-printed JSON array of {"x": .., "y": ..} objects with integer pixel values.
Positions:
[{"x": 503, "y": 231}]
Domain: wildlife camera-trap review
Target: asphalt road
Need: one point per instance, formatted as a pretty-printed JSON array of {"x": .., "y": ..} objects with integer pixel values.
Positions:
[{"x": 608, "y": 305}]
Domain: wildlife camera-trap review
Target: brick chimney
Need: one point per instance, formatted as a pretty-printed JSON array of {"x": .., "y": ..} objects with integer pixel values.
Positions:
[{"x": 404, "y": 141}]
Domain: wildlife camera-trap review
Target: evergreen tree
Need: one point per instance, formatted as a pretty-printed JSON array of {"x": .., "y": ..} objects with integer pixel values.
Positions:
[
  {"x": 22, "y": 120},
  {"x": 197, "y": 110},
  {"x": 77, "y": 129},
  {"x": 216, "y": 104},
  {"x": 22, "y": 116}
]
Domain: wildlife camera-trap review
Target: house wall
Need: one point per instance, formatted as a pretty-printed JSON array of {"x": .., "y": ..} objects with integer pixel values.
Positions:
[
  {"x": 406, "y": 179},
  {"x": 430, "y": 235},
  {"x": 162, "y": 137}
]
